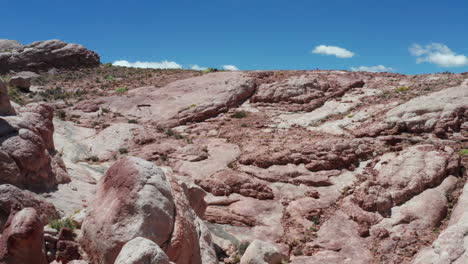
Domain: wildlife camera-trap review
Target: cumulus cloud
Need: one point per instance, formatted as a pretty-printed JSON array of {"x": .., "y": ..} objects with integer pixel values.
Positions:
[
  {"x": 376, "y": 68},
  {"x": 197, "y": 68},
  {"x": 333, "y": 51},
  {"x": 148, "y": 64},
  {"x": 439, "y": 54},
  {"x": 230, "y": 68}
]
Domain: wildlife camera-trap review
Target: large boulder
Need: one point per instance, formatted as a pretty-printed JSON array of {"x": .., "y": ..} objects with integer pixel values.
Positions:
[
  {"x": 133, "y": 199},
  {"x": 136, "y": 199},
  {"x": 44, "y": 55},
  {"x": 22, "y": 241},
  {"x": 5, "y": 106},
  {"x": 141, "y": 251},
  {"x": 13, "y": 199},
  {"x": 27, "y": 155}
]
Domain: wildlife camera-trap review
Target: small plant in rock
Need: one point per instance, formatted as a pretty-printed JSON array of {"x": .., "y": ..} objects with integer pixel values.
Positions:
[
  {"x": 402, "y": 89},
  {"x": 58, "y": 224},
  {"x": 239, "y": 114},
  {"x": 61, "y": 114},
  {"x": 133, "y": 121},
  {"x": 464, "y": 152},
  {"x": 172, "y": 133},
  {"x": 110, "y": 78},
  {"x": 105, "y": 110},
  {"x": 123, "y": 150},
  {"x": 244, "y": 125},
  {"x": 93, "y": 159},
  {"x": 121, "y": 90},
  {"x": 108, "y": 65},
  {"x": 242, "y": 248},
  {"x": 349, "y": 116},
  {"x": 316, "y": 219},
  {"x": 15, "y": 95},
  {"x": 163, "y": 157}
]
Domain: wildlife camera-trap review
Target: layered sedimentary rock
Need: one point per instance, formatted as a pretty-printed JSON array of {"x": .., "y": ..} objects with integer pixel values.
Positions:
[{"x": 44, "y": 55}]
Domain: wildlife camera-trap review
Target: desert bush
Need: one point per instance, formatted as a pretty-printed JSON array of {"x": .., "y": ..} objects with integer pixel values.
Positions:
[
  {"x": 121, "y": 89},
  {"x": 463, "y": 152},
  {"x": 123, "y": 150},
  {"x": 402, "y": 89},
  {"x": 239, "y": 114},
  {"x": 58, "y": 224}
]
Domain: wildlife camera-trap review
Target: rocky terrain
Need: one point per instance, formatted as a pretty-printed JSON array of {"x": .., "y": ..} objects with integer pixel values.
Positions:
[{"x": 105, "y": 164}]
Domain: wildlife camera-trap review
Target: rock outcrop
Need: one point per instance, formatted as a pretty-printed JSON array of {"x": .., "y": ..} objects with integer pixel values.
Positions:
[
  {"x": 44, "y": 55},
  {"x": 5, "y": 107},
  {"x": 28, "y": 158},
  {"x": 191, "y": 100},
  {"x": 22, "y": 241},
  {"x": 450, "y": 246}
]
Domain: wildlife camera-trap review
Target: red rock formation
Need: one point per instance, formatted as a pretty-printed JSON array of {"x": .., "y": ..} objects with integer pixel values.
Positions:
[{"x": 22, "y": 241}]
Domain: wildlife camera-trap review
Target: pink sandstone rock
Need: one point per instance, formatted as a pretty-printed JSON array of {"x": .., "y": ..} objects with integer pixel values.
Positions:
[
  {"x": 27, "y": 153},
  {"x": 133, "y": 199},
  {"x": 22, "y": 241}
]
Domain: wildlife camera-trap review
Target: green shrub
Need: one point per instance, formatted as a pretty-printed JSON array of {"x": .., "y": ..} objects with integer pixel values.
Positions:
[
  {"x": 110, "y": 78},
  {"x": 56, "y": 93},
  {"x": 133, "y": 121},
  {"x": 123, "y": 150},
  {"x": 121, "y": 89},
  {"x": 15, "y": 95},
  {"x": 316, "y": 219},
  {"x": 239, "y": 114},
  {"x": 93, "y": 159},
  {"x": 61, "y": 114},
  {"x": 172, "y": 133},
  {"x": 402, "y": 89},
  {"x": 58, "y": 224},
  {"x": 243, "y": 247},
  {"x": 463, "y": 152},
  {"x": 108, "y": 65},
  {"x": 210, "y": 70}
]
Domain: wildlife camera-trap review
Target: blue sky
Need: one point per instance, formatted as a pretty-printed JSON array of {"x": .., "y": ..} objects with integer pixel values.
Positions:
[{"x": 254, "y": 34}]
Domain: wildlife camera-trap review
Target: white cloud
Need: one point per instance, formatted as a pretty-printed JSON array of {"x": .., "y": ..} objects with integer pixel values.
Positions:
[
  {"x": 230, "y": 68},
  {"x": 197, "y": 68},
  {"x": 333, "y": 50},
  {"x": 438, "y": 53},
  {"x": 377, "y": 68},
  {"x": 148, "y": 64}
]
